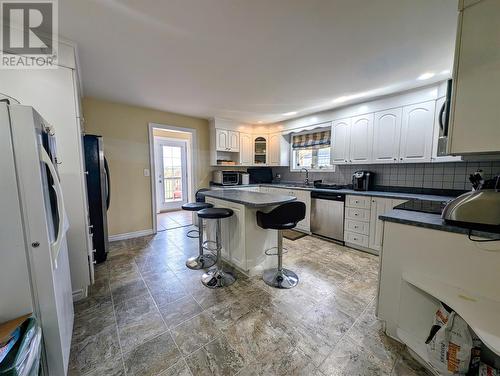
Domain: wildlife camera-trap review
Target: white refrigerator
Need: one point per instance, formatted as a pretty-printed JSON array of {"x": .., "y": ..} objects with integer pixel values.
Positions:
[{"x": 34, "y": 267}]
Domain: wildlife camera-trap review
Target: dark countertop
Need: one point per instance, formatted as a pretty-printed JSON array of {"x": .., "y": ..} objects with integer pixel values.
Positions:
[
  {"x": 250, "y": 199},
  {"x": 400, "y": 195},
  {"x": 431, "y": 221}
]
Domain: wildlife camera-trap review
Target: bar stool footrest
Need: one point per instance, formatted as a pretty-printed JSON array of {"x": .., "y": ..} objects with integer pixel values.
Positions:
[
  {"x": 268, "y": 251},
  {"x": 193, "y": 234}
]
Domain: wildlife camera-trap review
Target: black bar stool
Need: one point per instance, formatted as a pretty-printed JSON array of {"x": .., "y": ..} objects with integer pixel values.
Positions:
[
  {"x": 283, "y": 217},
  {"x": 193, "y": 234},
  {"x": 217, "y": 277},
  {"x": 201, "y": 261}
]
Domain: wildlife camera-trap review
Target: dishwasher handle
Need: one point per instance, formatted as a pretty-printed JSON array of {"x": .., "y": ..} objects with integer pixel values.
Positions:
[{"x": 328, "y": 196}]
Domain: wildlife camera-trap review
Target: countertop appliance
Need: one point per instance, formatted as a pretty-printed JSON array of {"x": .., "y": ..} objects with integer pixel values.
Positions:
[
  {"x": 327, "y": 214},
  {"x": 362, "y": 180},
  {"x": 225, "y": 177},
  {"x": 444, "y": 120},
  {"x": 98, "y": 193},
  {"x": 478, "y": 210},
  {"x": 34, "y": 270},
  {"x": 244, "y": 178},
  {"x": 260, "y": 175}
]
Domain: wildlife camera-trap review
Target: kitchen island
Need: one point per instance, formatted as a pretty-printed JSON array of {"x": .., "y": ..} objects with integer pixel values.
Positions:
[{"x": 243, "y": 241}]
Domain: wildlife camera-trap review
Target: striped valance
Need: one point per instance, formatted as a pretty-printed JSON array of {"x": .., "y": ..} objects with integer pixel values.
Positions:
[{"x": 311, "y": 140}]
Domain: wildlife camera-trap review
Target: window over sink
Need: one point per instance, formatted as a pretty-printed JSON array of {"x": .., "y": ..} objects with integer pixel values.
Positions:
[{"x": 312, "y": 150}]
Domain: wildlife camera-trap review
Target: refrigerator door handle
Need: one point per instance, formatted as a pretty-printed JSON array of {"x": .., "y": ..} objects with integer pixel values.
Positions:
[
  {"x": 108, "y": 184},
  {"x": 56, "y": 245}
]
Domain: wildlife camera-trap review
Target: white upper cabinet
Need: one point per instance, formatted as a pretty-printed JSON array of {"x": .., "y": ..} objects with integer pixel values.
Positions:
[
  {"x": 416, "y": 133},
  {"x": 227, "y": 140},
  {"x": 234, "y": 141},
  {"x": 475, "y": 111},
  {"x": 386, "y": 135},
  {"x": 279, "y": 150},
  {"x": 246, "y": 149},
  {"x": 222, "y": 140},
  {"x": 361, "y": 139},
  {"x": 260, "y": 150},
  {"x": 341, "y": 131}
]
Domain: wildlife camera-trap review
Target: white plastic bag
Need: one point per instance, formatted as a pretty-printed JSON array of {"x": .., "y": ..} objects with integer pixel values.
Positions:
[{"x": 449, "y": 349}]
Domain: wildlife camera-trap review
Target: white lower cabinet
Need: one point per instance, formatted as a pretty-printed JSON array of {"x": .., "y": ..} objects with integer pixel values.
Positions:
[
  {"x": 362, "y": 226},
  {"x": 233, "y": 234},
  {"x": 302, "y": 195},
  {"x": 379, "y": 207},
  {"x": 358, "y": 227}
]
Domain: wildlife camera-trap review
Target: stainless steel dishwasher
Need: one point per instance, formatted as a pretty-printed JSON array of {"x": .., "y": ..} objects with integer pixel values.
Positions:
[{"x": 327, "y": 214}]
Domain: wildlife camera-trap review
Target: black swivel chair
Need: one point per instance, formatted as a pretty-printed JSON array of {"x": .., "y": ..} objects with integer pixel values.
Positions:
[
  {"x": 283, "y": 217},
  {"x": 203, "y": 260},
  {"x": 217, "y": 277}
]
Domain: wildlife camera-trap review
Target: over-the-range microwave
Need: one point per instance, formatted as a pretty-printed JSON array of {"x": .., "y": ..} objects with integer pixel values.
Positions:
[{"x": 226, "y": 177}]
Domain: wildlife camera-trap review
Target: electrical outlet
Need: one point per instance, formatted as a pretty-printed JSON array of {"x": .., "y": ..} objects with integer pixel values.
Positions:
[{"x": 146, "y": 172}]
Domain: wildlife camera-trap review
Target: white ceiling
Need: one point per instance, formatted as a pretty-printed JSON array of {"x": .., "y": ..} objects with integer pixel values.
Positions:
[{"x": 253, "y": 60}]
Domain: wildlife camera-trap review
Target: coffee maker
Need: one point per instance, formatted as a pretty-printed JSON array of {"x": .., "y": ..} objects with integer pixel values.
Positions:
[{"x": 362, "y": 180}]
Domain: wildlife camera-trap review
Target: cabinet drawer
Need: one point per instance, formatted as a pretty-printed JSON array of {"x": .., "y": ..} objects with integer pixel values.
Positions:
[
  {"x": 357, "y": 214},
  {"x": 358, "y": 227},
  {"x": 361, "y": 202},
  {"x": 354, "y": 238}
]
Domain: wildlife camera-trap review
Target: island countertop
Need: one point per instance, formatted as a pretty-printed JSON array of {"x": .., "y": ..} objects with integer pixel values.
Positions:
[{"x": 250, "y": 199}]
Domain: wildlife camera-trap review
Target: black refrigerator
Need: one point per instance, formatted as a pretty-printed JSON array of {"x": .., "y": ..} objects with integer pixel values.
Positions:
[{"x": 98, "y": 192}]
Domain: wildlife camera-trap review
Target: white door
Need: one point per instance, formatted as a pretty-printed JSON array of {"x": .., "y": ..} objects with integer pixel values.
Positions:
[
  {"x": 171, "y": 172},
  {"x": 361, "y": 141},
  {"x": 221, "y": 140},
  {"x": 416, "y": 133},
  {"x": 341, "y": 130},
  {"x": 386, "y": 135},
  {"x": 246, "y": 149},
  {"x": 234, "y": 141}
]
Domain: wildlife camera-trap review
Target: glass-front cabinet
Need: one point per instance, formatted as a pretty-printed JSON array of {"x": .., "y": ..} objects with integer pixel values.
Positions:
[{"x": 260, "y": 150}]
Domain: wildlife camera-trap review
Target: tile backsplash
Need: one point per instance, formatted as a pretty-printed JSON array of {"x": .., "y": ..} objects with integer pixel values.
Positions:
[{"x": 451, "y": 175}]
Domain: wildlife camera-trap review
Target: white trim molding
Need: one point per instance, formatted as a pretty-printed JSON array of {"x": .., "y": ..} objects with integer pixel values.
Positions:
[
  {"x": 130, "y": 235},
  {"x": 192, "y": 149}
]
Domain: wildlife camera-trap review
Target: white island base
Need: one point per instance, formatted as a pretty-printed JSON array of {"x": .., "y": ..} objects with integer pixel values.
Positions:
[{"x": 243, "y": 242}]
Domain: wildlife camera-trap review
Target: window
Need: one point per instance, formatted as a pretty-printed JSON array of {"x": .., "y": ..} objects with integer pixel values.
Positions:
[{"x": 311, "y": 150}]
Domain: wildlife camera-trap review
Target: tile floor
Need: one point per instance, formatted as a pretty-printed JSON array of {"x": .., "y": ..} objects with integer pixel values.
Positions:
[
  {"x": 147, "y": 314},
  {"x": 174, "y": 219}
]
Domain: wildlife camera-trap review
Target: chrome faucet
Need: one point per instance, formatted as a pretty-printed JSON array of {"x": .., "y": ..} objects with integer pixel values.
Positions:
[{"x": 306, "y": 180}]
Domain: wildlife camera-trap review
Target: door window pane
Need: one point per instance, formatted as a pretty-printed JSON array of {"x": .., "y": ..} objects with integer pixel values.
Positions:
[{"x": 172, "y": 173}]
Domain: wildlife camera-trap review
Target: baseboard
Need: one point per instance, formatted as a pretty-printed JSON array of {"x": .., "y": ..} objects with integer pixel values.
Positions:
[
  {"x": 130, "y": 235},
  {"x": 80, "y": 294}
]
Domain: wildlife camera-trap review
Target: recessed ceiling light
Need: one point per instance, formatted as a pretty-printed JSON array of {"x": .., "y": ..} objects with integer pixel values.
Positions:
[
  {"x": 350, "y": 97},
  {"x": 425, "y": 76},
  {"x": 341, "y": 99},
  {"x": 290, "y": 113}
]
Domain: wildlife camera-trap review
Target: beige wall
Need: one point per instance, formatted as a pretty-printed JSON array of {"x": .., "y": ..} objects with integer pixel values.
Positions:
[{"x": 125, "y": 136}]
